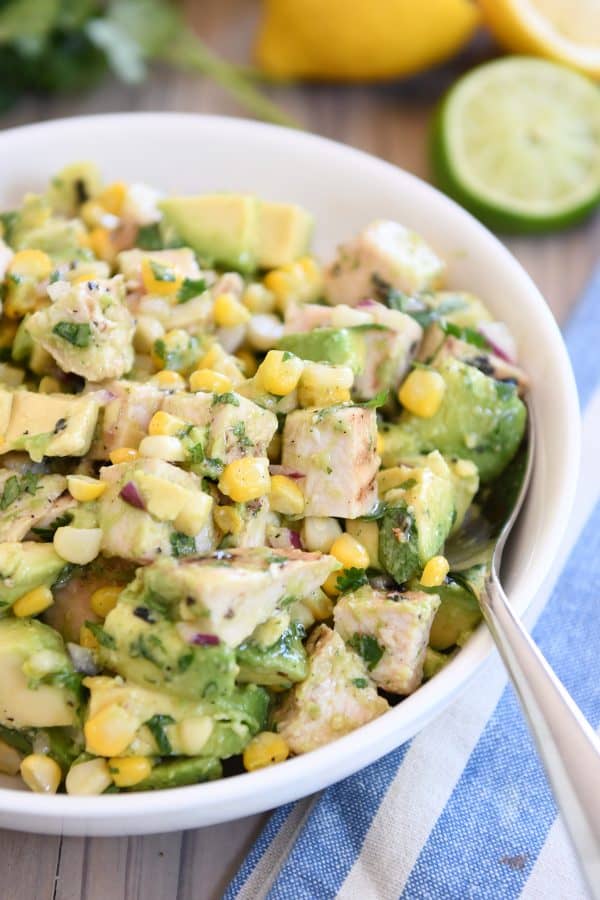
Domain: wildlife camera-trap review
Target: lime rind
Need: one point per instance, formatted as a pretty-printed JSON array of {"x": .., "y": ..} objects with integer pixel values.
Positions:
[{"x": 496, "y": 207}]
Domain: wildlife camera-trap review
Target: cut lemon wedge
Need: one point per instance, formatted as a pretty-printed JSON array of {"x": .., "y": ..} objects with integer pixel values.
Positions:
[{"x": 566, "y": 31}]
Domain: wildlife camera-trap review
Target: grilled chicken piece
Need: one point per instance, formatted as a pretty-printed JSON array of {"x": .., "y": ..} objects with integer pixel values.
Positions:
[
  {"x": 127, "y": 412},
  {"x": 29, "y": 506},
  {"x": 336, "y": 697},
  {"x": 230, "y": 592},
  {"x": 235, "y": 426},
  {"x": 87, "y": 329},
  {"x": 396, "y": 626},
  {"x": 335, "y": 451},
  {"x": 384, "y": 255}
]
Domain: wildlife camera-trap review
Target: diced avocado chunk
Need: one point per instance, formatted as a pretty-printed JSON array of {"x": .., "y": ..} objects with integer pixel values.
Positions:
[
  {"x": 479, "y": 419},
  {"x": 22, "y": 343},
  {"x": 434, "y": 662},
  {"x": 418, "y": 517},
  {"x": 338, "y": 346},
  {"x": 459, "y": 612},
  {"x": 274, "y": 661},
  {"x": 39, "y": 687},
  {"x": 72, "y": 186},
  {"x": 168, "y": 725},
  {"x": 25, "y": 500},
  {"x": 35, "y": 227},
  {"x": 25, "y": 566},
  {"x": 238, "y": 230},
  {"x": 220, "y": 228},
  {"x": 141, "y": 643},
  {"x": 179, "y": 772},
  {"x": 49, "y": 424},
  {"x": 284, "y": 232}
]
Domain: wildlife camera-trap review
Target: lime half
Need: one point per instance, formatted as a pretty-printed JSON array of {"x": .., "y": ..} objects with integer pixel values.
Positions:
[{"x": 517, "y": 142}]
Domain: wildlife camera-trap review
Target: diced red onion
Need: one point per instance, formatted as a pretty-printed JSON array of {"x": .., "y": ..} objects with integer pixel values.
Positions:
[
  {"x": 130, "y": 494},
  {"x": 364, "y": 303},
  {"x": 295, "y": 540},
  {"x": 283, "y": 470},
  {"x": 284, "y": 539},
  {"x": 82, "y": 659},
  {"x": 205, "y": 640},
  {"x": 500, "y": 340}
]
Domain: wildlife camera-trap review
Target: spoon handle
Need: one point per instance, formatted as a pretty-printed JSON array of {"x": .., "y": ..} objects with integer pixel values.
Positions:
[{"x": 566, "y": 743}]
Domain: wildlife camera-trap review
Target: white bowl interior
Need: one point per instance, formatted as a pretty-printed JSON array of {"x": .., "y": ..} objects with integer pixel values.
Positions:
[{"x": 345, "y": 190}]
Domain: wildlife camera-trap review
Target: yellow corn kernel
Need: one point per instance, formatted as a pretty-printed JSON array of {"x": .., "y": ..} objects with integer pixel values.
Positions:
[
  {"x": 160, "y": 279},
  {"x": 110, "y": 731},
  {"x": 169, "y": 449},
  {"x": 280, "y": 372},
  {"x": 48, "y": 385},
  {"x": 112, "y": 197},
  {"x": 265, "y": 749},
  {"x": 207, "y": 380},
  {"x": 319, "y": 605},
  {"x": 167, "y": 380},
  {"x": 228, "y": 519},
  {"x": 248, "y": 361},
  {"x": 379, "y": 448},
  {"x": 286, "y": 497},
  {"x": 77, "y": 545},
  {"x": 435, "y": 571},
  {"x": 88, "y": 779},
  {"x": 41, "y": 773},
  {"x": 322, "y": 385},
  {"x": 330, "y": 585},
  {"x": 229, "y": 312},
  {"x": 84, "y": 488},
  {"x": 422, "y": 392},
  {"x": 129, "y": 770},
  {"x": 258, "y": 298},
  {"x": 34, "y": 264},
  {"x": 123, "y": 454},
  {"x": 300, "y": 281},
  {"x": 87, "y": 639},
  {"x": 163, "y": 423},
  {"x": 33, "y": 602},
  {"x": 350, "y": 552},
  {"x": 105, "y": 598},
  {"x": 101, "y": 245},
  {"x": 246, "y": 479},
  {"x": 319, "y": 532}
]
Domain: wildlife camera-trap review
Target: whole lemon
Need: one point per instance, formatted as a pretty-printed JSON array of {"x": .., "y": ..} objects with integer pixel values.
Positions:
[{"x": 361, "y": 40}]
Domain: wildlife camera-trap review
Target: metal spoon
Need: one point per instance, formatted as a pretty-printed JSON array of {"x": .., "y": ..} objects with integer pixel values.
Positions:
[{"x": 566, "y": 743}]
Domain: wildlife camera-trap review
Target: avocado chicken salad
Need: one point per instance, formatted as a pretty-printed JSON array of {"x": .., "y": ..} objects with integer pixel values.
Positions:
[{"x": 228, "y": 480}]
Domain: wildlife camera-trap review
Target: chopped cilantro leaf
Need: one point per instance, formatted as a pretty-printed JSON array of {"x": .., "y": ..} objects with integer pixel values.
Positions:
[
  {"x": 351, "y": 580},
  {"x": 162, "y": 273},
  {"x": 15, "y": 487},
  {"x": 368, "y": 647},
  {"x": 360, "y": 682},
  {"x": 102, "y": 636},
  {"x": 77, "y": 333},
  {"x": 149, "y": 237},
  {"x": 379, "y": 399},
  {"x": 227, "y": 398},
  {"x": 190, "y": 288},
  {"x": 182, "y": 544},
  {"x": 239, "y": 430},
  {"x": 464, "y": 334},
  {"x": 46, "y": 534},
  {"x": 157, "y": 725}
]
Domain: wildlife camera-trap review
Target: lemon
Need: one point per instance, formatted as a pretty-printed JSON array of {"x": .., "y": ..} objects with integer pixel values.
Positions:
[
  {"x": 566, "y": 31},
  {"x": 362, "y": 40},
  {"x": 517, "y": 141}
]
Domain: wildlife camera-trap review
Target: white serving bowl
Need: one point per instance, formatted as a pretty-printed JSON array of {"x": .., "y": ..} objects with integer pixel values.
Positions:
[{"x": 345, "y": 189}]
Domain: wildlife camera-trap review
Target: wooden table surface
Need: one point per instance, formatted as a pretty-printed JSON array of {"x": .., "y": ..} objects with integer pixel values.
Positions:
[{"x": 391, "y": 122}]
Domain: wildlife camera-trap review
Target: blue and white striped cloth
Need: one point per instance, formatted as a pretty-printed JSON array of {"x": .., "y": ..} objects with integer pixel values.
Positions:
[{"x": 463, "y": 810}]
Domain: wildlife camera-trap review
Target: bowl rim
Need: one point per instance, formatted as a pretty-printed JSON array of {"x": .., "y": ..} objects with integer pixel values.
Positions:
[{"x": 213, "y": 802}]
